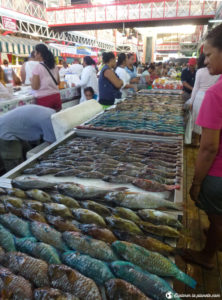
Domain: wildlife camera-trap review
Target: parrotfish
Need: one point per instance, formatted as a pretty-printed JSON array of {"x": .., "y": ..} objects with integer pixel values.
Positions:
[
  {"x": 15, "y": 225},
  {"x": 97, "y": 232},
  {"x": 39, "y": 195},
  {"x": 6, "y": 239},
  {"x": 87, "y": 216}
]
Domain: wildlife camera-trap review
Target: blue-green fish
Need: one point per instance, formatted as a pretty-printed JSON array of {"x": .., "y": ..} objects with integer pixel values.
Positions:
[
  {"x": 88, "y": 266},
  {"x": 46, "y": 234},
  {"x": 6, "y": 239},
  {"x": 15, "y": 225},
  {"x": 87, "y": 245},
  {"x": 152, "y": 262},
  {"x": 150, "y": 284}
]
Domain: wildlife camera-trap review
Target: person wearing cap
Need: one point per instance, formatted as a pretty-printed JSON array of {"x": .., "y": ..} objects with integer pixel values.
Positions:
[{"x": 188, "y": 78}]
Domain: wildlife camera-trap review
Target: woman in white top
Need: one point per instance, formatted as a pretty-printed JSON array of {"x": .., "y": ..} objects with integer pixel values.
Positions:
[
  {"x": 202, "y": 83},
  {"x": 88, "y": 77},
  {"x": 27, "y": 69},
  {"x": 123, "y": 75}
]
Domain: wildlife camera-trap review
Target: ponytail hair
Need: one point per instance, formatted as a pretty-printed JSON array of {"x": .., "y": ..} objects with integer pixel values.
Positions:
[
  {"x": 89, "y": 61},
  {"x": 47, "y": 56},
  {"x": 107, "y": 56}
]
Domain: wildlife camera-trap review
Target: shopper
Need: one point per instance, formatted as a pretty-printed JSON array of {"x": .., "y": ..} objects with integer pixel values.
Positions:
[
  {"x": 203, "y": 82},
  {"x": 2, "y": 76},
  {"x": 123, "y": 75},
  {"x": 90, "y": 94},
  {"x": 159, "y": 69},
  {"x": 206, "y": 190},
  {"x": 148, "y": 75},
  {"x": 20, "y": 126},
  {"x": 9, "y": 74},
  {"x": 76, "y": 68},
  {"x": 64, "y": 70},
  {"x": 27, "y": 69},
  {"x": 131, "y": 69},
  {"x": 88, "y": 77},
  {"x": 109, "y": 82},
  {"x": 188, "y": 78},
  {"x": 45, "y": 79}
]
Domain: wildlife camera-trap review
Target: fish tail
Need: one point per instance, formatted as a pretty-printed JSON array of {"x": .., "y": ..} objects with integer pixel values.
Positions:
[{"x": 186, "y": 279}]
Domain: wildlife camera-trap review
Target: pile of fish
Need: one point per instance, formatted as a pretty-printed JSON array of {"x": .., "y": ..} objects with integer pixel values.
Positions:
[
  {"x": 68, "y": 241},
  {"x": 151, "y": 166},
  {"x": 156, "y": 115}
]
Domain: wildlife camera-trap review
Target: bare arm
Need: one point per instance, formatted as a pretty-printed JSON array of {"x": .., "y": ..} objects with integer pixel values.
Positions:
[
  {"x": 187, "y": 85},
  {"x": 111, "y": 76},
  {"x": 23, "y": 73},
  {"x": 35, "y": 82},
  {"x": 209, "y": 147},
  {"x": 135, "y": 80}
]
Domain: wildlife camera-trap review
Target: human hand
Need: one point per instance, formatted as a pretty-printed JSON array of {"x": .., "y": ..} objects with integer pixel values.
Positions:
[
  {"x": 191, "y": 107},
  {"x": 194, "y": 192}
]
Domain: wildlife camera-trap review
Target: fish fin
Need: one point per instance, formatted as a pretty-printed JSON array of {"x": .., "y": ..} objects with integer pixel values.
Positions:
[{"x": 186, "y": 279}]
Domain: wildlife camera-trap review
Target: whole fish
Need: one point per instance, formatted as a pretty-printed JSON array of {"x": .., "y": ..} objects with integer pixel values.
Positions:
[
  {"x": 52, "y": 294},
  {"x": 87, "y": 216},
  {"x": 39, "y": 195},
  {"x": 32, "y": 215},
  {"x": 71, "y": 281},
  {"x": 11, "y": 201},
  {"x": 6, "y": 239},
  {"x": 15, "y": 286},
  {"x": 120, "y": 289},
  {"x": 83, "y": 192},
  {"x": 99, "y": 233},
  {"x": 68, "y": 201},
  {"x": 153, "y": 186},
  {"x": 140, "y": 200},
  {"x": 126, "y": 213},
  {"x": 161, "y": 230},
  {"x": 150, "y": 284},
  {"x": 147, "y": 242},
  {"x": 61, "y": 224},
  {"x": 57, "y": 210},
  {"x": 16, "y": 193},
  {"x": 88, "y": 266},
  {"x": 33, "y": 269},
  {"x": 33, "y": 204},
  {"x": 46, "y": 234},
  {"x": 15, "y": 225},
  {"x": 124, "y": 225},
  {"x": 158, "y": 217},
  {"x": 86, "y": 245},
  {"x": 97, "y": 207},
  {"x": 31, "y": 183},
  {"x": 119, "y": 179},
  {"x": 152, "y": 262}
]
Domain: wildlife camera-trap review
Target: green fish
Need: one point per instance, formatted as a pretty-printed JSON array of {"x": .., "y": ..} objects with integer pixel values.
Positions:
[
  {"x": 16, "y": 193},
  {"x": 33, "y": 204},
  {"x": 86, "y": 245},
  {"x": 15, "y": 225},
  {"x": 126, "y": 213},
  {"x": 66, "y": 200},
  {"x": 124, "y": 225},
  {"x": 33, "y": 269},
  {"x": 71, "y": 281},
  {"x": 39, "y": 195},
  {"x": 6, "y": 240},
  {"x": 96, "y": 207},
  {"x": 152, "y": 262},
  {"x": 140, "y": 200},
  {"x": 11, "y": 201},
  {"x": 57, "y": 210},
  {"x": 87, "y": 216},
  {"x": 46, "y": 234},
  {"x": 159, "y": 218},
  {"x": 161, "y": 230},
  {"x": 88, "y": 266},
  {"x": 120, "y": 289},
  {"x": 2, "y": 208},
  {"x": 150, "y": 284}
]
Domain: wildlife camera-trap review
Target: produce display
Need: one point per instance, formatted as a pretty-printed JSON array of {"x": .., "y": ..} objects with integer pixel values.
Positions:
[
  {"x": 68, "y": 241},
  {"x": 167, "y": 83},
  {"x": 151, "y": 166},
  {"x": 144, "y": 114}
]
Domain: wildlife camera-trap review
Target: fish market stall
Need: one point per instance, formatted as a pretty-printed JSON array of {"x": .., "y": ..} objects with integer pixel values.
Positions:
[
  {"x": 69, "y": 96},
  {"x": 91, "y": 233}
]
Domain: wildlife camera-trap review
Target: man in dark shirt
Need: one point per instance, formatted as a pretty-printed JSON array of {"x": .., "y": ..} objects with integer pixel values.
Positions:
[{"x": 188, "y": 78}]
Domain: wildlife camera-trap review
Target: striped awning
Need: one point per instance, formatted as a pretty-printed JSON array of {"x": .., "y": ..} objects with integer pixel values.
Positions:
[{"x": 21, "y": 46}]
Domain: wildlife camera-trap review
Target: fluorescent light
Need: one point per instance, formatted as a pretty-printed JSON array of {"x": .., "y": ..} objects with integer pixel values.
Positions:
[{"x": 215, "y": 21}]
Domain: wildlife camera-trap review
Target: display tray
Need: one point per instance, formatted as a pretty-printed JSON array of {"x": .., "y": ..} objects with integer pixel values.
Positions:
[
  {"x": 160, "y": 91},
  {"x": 175, "y": 195}
]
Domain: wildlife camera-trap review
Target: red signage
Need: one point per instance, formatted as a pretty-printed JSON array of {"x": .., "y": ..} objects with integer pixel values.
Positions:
[{"x": 9, "y": 23}]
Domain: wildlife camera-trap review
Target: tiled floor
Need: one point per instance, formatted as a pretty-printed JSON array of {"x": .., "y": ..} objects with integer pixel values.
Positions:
[{"x": 209, "y": 282}]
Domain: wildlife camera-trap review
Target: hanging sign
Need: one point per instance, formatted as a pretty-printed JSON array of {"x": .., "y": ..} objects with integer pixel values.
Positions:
[{"x": 9, "y": 23}]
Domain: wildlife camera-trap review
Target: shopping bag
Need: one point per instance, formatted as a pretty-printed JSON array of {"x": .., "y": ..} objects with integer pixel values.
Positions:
[{"x": 189, "y": 129}]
